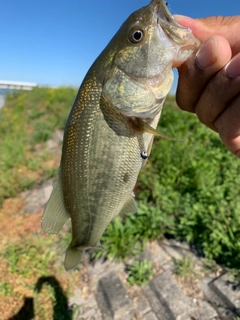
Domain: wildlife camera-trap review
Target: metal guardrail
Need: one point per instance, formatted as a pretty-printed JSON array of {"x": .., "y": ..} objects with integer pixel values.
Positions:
[{"x": 17, "y": 85}]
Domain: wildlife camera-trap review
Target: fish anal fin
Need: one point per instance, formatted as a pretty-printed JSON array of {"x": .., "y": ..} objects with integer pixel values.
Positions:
[
  {"x": 73, "y": 257},
  {"x": 74, "y": 254},
  {"x": 55, "y": 214},
  {"x": 129, "y": 207}
]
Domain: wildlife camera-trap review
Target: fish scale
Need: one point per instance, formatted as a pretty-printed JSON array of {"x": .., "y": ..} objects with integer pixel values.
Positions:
[{"x": 110, "y": 129}]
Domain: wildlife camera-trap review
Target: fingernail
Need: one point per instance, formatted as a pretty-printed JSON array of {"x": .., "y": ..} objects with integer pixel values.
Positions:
[
  {"x": 206, "y": 55},
  {"x": 232, "y": 69}
]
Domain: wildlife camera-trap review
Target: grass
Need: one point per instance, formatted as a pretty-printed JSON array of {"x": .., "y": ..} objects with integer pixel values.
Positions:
[
  {"x": 195, "y": 184},
  {"x": 188, "y": 190},
  {"x": 184, "y": 267},
  {"x": 139, "y": 272},
  {"x": 6, "y": 289},
  {"x": 27, "y": 121},
  {"x": 30, "y": 266}
]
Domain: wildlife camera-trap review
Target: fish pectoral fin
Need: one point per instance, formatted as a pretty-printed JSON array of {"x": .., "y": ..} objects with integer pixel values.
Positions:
[
  {"x": 129, "y": 207},
  {"x": 73, "y": 257},
  {"x": 55, "y": 214},
  {"x": 143, "y": 126}
]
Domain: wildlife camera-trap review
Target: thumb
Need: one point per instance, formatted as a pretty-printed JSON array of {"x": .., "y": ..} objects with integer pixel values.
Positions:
[{"x": 204, "y": 28}]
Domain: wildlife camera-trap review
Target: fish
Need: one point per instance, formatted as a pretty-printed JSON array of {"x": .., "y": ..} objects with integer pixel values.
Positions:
[{"x": 111, "y": 126}]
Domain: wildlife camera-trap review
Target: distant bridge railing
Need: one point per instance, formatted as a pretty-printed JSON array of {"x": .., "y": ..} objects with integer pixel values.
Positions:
[{"x": 17, "y": 85}]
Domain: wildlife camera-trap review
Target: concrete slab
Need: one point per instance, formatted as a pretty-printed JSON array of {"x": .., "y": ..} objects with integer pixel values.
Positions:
[
  {"x": 112, "y": 297},
  {"x": 229, "y": 291},
  {"x": 215, "y": 300},
  {"x": 166, "y": 298},
  {"x": 150, "y": 316}
]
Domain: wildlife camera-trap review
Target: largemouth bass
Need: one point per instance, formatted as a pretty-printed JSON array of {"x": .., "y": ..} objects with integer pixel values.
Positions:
[{"x": 110, "y": 129}]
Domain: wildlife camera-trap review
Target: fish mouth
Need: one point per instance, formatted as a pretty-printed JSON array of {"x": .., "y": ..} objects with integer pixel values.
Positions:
[
  {"x": 152, "y": 81},
  {"x": 180, "y": 35}
]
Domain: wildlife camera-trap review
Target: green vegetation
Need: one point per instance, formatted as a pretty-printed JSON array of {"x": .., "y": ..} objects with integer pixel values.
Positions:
[
  {"x": 127, "y": 237},
  {"x": 139, "y": 272},
  {"x": 30, "y": 259},
  {"x": 184, "y": 267},
  {"x": 6, "y": 289},
  {"x": 27, "y": 120},
  {"x": 187, "y": 190},
  {"x": 195, "y": 183},
  {"x": 26, "y": 264}
]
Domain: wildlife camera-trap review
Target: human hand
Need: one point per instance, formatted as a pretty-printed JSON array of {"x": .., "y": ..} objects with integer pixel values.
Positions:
[{"x": 209, "y": 81}]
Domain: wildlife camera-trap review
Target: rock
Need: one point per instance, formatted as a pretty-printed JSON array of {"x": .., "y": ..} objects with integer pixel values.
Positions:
[{"x": 35, "y": 200}]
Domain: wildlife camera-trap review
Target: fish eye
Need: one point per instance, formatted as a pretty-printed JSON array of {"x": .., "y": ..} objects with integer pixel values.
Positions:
[{"x": 136, "y": 35}]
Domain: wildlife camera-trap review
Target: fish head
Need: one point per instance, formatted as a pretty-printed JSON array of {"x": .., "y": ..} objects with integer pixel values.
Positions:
[{"x": 143, "y": 52}]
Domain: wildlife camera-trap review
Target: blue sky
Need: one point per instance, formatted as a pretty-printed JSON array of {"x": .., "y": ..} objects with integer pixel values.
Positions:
[{"x": 54, "y": 42}]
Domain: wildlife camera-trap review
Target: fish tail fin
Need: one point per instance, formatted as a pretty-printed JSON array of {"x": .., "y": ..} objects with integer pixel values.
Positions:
[
  {"x": 55, "y": 214},
  {"x": 73, "y": 257}
]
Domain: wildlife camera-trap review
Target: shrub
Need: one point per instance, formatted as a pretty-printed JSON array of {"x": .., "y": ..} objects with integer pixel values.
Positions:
[{"x": 195, "y": 183}]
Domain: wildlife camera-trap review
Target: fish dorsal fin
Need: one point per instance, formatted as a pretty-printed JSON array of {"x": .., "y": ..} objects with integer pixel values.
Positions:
[
  {"x": 143, "y": 126},
  {"x": 55, "y": 214},
  {"x": 129, "y": 207}
]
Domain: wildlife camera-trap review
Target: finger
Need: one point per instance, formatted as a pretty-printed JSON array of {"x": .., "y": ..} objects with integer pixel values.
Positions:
[
  {"x": 219, "y": 93},
  {"x": 203, "y": 28},
  {"x": 228, "y": 125},
  {"x": 197, "y": 71}
]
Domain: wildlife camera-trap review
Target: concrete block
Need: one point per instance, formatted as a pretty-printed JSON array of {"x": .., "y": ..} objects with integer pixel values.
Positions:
[
  {"x": 141, "y": 305},
  {"x": 155, "y": 253},
  {"x": 215, "y": 300},
  {"x": 100, "y": 267},
  {"x": 229, "y": 291},
  {"x": 200, "y": 309},
  {"x": 149, "y": 316},
  {"x": 112, "y": 297},
  {"x": 178, "y": 250},
  {"x": 88, "y": 308},
  {"x": 175, "y": 249},
  {"x": 166, "y": 298}
]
